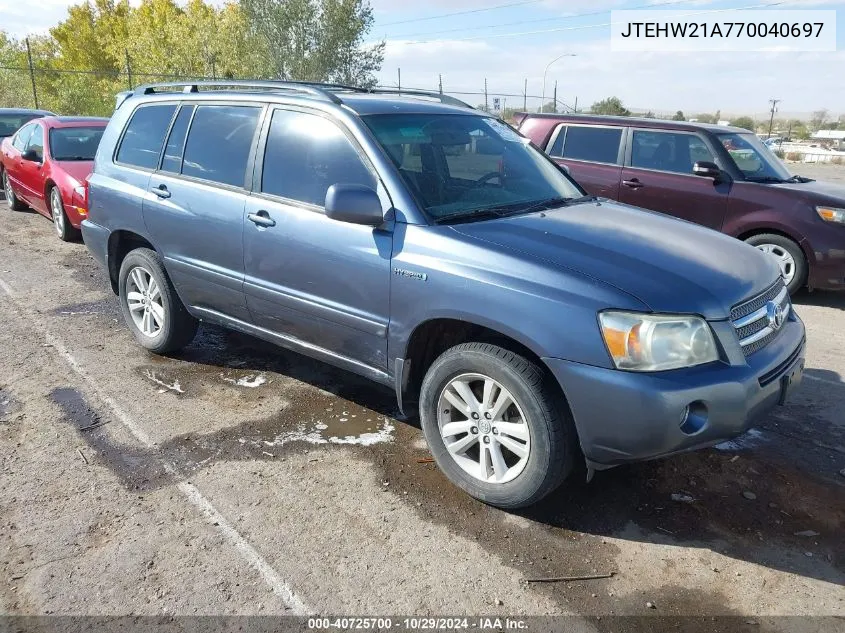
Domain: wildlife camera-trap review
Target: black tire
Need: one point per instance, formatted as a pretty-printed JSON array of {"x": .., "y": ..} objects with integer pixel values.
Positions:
[
  {"x": 11, "y": 199},
  {"x": 64, "y": 229},
  {"x": 799, "y": 278},
  {"x": 179, "y": 326},
  {"x": 552, "y": 432}
]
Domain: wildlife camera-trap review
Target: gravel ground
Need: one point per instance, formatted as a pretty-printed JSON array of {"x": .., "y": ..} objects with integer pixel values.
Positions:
[{"x": 235, "y": 478}]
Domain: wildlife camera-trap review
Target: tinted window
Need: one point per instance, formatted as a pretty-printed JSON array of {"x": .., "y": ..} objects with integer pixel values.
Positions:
[
  {"x": 9, "y": 123},
  {"x": 668, "y": 151},
  {"x": 75, "y": 143},
  {"x": 557, "y": 147},
  {"x": 306, "y": 154},
  {"x": 597, "y": 144},
  {"x": 219, "y": 143},
  {"x": 36, "y": 142},
  {"x": 172, "y": 160},
  {"x": 22, "y": 137},
  {"x": 144, "y": 136}
]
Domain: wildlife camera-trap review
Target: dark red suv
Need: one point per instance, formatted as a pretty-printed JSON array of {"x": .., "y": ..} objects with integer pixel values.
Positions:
[{"x": 718, "y": 176}]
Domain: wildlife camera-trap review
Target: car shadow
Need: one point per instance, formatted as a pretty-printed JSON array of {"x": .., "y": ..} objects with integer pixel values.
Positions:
[
  {"x": 772, "y": 497},
  {"x": 820, "y": 298}
]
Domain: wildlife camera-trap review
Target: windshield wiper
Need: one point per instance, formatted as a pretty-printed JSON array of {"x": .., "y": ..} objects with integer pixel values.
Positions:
[
  {"x": 799, "y": 179},
  {"x": 765, "y": 179},
  {"x": 550, "y": 203},
  {"x": 478, "y": 214}
]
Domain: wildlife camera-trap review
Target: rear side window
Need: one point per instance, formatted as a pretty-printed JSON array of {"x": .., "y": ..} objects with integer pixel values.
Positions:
[
  {"x": 219, "y": 143},
  {"x": 172, "y": 160},
  {"x": 144, "y": 137},
  {"x": 668, "y": 151},
  {"x": 595, "y": 144},
  {"x": 306, "y": 154}
]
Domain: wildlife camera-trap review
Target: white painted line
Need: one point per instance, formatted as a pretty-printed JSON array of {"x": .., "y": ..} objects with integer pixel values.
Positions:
[
  {"x": 270, "y": 576},
  {"x": 824, "y": 380},
  {"x": 7, "y": 288},
  {"x": 247, "y": 552}
]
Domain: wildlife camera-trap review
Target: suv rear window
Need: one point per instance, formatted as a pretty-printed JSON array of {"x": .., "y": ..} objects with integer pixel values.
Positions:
[
  {"x": 668, "y": 151},
  {"x": 219, "y": 143},
  {"x": 595, "y": 144},
  {"x": 144, "y": 136}
]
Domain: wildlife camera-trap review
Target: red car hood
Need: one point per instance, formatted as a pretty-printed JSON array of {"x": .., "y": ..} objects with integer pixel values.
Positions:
[{"x": 76, "y": 169}]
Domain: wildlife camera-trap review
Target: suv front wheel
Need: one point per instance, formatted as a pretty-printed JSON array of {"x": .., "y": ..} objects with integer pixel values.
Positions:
[
  {"x": 150, "y": 305},
  {"x": 496, "y": 426},
  {"x": 789, "y": 257}
]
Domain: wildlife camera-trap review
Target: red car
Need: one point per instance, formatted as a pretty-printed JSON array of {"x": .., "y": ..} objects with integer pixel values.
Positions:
[{"x": 45, "y": 164}]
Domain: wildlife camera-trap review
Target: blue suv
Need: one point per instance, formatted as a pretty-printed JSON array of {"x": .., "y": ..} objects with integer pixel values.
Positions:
[{"x": 428, "y": 246}]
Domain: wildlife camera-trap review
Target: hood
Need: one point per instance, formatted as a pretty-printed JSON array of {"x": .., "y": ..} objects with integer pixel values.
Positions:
[
  {"x": 668, "y": 264},
  {"x": 817, "y": 190},
  {"x": 76, "y": 169}
]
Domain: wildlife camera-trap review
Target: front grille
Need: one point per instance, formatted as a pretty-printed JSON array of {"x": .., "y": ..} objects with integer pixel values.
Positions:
[{"x": 753, "y": 322}]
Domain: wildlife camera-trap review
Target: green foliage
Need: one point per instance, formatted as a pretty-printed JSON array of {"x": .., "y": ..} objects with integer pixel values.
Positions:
[
  {"x": 316, "y": 40},
  {"x": 168, "y": 40},
  {"x": 611, "y": 106},
  {"x": 707, "y": 118},
  {"x": 745, "y": 122},
  {"x": 679, "y": 116}
]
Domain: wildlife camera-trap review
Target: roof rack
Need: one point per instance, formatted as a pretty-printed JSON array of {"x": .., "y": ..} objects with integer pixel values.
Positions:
[
  {"x": 325, "y": 91},
  {"x": 286, "y": 86},
  {"x": 412, "y": 92}
]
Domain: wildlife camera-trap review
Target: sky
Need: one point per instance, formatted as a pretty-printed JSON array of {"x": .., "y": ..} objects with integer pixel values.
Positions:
[{"x": 468, "y": 41}]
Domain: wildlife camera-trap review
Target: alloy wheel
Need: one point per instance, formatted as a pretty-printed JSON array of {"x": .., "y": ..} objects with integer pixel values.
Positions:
[
  {"x": 783, "y": 258},
  {"x": 58, "y": 211},
  {"x": 483, "y": 428},
  {"x": 7, "y": 190},
  {"x": 144, "y": 299}
]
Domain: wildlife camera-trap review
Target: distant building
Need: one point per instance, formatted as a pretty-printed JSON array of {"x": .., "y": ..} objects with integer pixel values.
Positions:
[{"x": 834, "y": 138}]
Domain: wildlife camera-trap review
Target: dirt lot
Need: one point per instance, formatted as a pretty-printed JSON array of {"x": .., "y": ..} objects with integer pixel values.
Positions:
[{"x": 235, "y": 478}]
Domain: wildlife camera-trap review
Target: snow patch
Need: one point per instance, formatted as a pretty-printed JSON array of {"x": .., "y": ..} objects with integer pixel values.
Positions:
[
  {"x": 252, "y": 380},
  {"x": 174, "y": 386},
  {"x": 749, "y": 439}
]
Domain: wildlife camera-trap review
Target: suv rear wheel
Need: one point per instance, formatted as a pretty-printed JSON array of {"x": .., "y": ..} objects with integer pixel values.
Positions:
[
  {"x": 150, "y": 305},
  {"x": 495, "y": 425},
  {"x": 789, "y": 257}
]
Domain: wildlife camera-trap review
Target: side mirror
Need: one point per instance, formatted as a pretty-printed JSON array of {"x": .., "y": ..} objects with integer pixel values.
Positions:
[
  {"x": 707, "y": 169},
  {"x": 355, "y": 204},
  {"x": 31, "y": 155}
]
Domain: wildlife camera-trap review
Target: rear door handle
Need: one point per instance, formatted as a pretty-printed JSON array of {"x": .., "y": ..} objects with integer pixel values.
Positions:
[
  {"x": 262, "y": 218},
  {"x": 161, "y": 191},
  {"x": 634, "y": 183}
]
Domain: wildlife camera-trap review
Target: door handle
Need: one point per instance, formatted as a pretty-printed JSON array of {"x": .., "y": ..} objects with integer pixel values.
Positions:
[
  {"x": 634, "y": 183},
  {"x": 161, "y": 191},
  {"x": 262, "y": 218}
]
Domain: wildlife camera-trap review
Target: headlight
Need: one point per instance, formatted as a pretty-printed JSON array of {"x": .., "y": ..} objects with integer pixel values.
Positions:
[
  {"x": 646, "y": 342},
  {"x": 831, "y": 214}
]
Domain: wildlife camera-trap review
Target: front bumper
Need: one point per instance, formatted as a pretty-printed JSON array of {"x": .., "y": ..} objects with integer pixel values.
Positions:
[
  {"x": 628, "y": 416},
  {"x": 826, "y": 264}
]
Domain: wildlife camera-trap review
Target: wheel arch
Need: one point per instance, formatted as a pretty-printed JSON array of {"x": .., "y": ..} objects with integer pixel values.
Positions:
[
  {"x": 809, "y": 256},
  {"x": 121, "y": 243}
]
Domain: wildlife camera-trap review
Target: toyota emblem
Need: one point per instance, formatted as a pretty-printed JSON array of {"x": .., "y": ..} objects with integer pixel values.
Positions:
[{"x": 774, "y": 312}]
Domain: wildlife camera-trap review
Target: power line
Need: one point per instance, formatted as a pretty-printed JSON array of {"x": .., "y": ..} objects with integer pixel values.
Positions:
[
  {"x": 585, "y": 26},
  {"x": 467, "y": 12},
  {"x": 534, "y": 21}
]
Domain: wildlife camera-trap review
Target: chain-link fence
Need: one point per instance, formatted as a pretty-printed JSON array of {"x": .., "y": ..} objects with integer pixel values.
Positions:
[{"x": 91, "y": 92}]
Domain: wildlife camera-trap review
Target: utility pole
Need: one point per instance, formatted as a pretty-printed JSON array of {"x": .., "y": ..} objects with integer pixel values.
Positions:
[
  {"x": 31, "y": 73},
  {"x": 575, "y": 107},
  {"x": 128, "y": 68},
  {"x": 485, "y": 95},
  {"x": 399, "y": 74},
  {"x": 554, "y": 98},
  {"x": 525, "y": 97},
  {"x": 440, "y": 81},
  {"x": 774, "y": 103}
]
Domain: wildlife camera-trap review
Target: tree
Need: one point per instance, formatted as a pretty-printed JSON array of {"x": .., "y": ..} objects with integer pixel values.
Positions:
[
  {"x": 679, "y": 116},
  {"x": 611, "y": 106},
  {"x": 818, "y": 119},
  {"x": 796, "y": 128},
  {"x": 316, "y": 40},
  {"x": 549, "y": 107},
  {"x": 650, "y": 115},
  {"x": 707, "y": 118},
  {"x": 745, "y": 122}
]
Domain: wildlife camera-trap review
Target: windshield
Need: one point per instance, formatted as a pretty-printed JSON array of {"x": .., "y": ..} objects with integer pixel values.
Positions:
[
  {"x": 753, "y": 158},
  {"x": 459, "y": 166},
  {"x": 9, "y": 123},
  {"x": 75, "y": 143}
]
